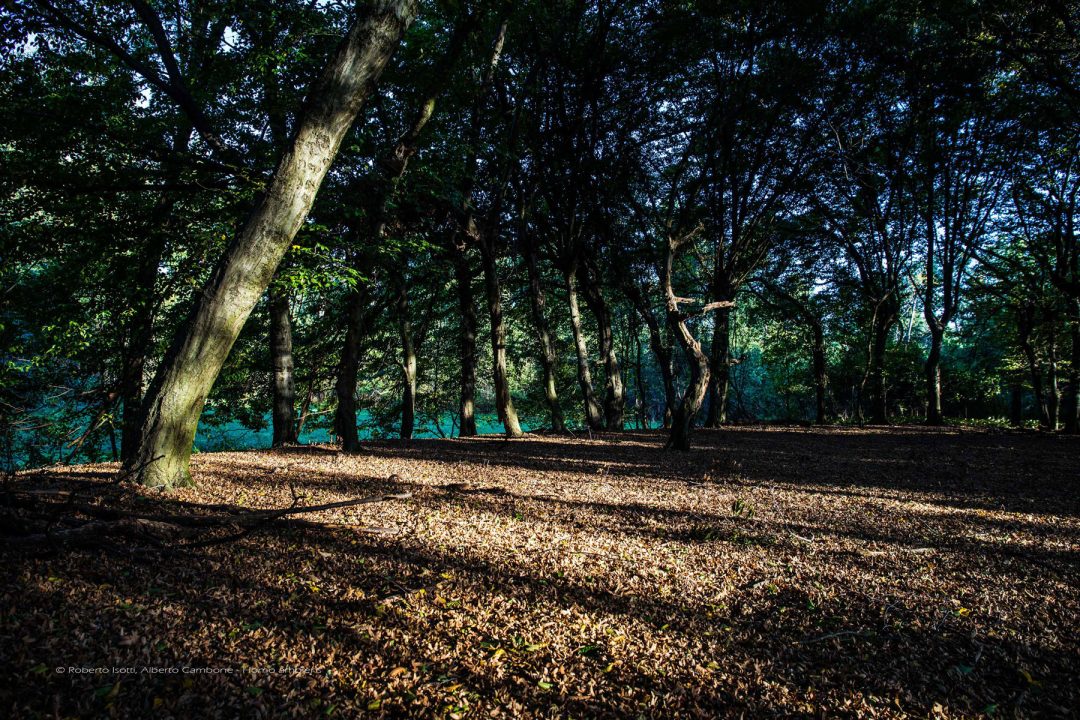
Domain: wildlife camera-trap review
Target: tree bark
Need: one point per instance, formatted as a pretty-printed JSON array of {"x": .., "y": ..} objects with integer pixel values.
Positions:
[
  {"x": 139, "y": 338},
  {"x": 933, "y": 377},
  {"x": 720, "y": 369},
  {"x": 1071, "y": 404},
  {"x": 821, "y": 373},
  {"x": 1025, "y": 323},
  {"x": 1053, "y": 392},
  {"x": 356, "y": 327},
  {"x": 614, "y": 390},
  {"x": 660, "y": 350},
  {"x": 281, "y": 360},
  {"x": 879, "y": 383},
  {"x": 140, "y": 334},
  {"x": 171, "y": 413},
  {"x": 408, "y": 362},
  {"x": 593, "y": 412},
  {"x": 1016, "y": 404},
  {"x": 463, "y": 279},
  {"x": 548, "y": 357},
  {"x": 683, "y": 421},
  {"x": 504, "y": 401}
]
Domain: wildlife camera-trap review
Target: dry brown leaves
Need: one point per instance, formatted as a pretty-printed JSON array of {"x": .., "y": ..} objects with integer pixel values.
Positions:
[{"x": 769, "y": 572}]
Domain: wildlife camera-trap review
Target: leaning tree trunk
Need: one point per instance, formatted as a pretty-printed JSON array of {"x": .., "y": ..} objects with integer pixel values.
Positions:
[
  {"x": 548, "y": 357},
  {"x": 178, "y": 393},
  {"x": 467, "y": 304},
  {"x": 593, "y": 412},
  {"x": 281, "y": 360},
  {"x": 720, "y": 370},
  {"x": 504, "y": 401},
  {"x": 614, "y": 390},
  {"x": 141, "y": 329},
  {"x": 139, "y": 337},
  {"x": 933, "y": 377},
  {"x": 408, "y": 362}
]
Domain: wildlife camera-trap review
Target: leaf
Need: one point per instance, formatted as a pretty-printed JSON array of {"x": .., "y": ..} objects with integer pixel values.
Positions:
[{"x": 544, "y": 685}]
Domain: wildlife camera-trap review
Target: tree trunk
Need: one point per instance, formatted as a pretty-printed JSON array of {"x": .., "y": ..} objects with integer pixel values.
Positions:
[
  {"x": 660, "y": 350},
  {"x": 933, "y": 377},
  {"x": 1016, "y": 404},
  {"x": 593, "y": 413},
  {"x": 463, "y": 279},
  {"x": 141, "y": 330},
  {"x": 171, "y": 413},
  {"x": 720, "y": 369},
  {"x": 683, "y": 421},
  {"x": 639, "y": 376},
  {"x": 1025, "y": 324},
  {"x": 548, "y": 357},
  {"x": 408, "y": 362},
  {"x": 614, "y": 390},
  {"x": 821, "y": 374},
  {"x": 504, "y": 401},
  {"x": 1053, "y": 392},
  {"x": 139, "y": 338},
  {"x": 281, "y": 360},
  {"x": 356, "y": 326},
  {"x": 879, "y": 382},
  {"x": 1071, "y": 404}
]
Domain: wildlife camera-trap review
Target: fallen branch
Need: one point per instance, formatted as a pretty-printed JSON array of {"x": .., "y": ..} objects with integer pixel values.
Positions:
[{"x": 161, "y": 528}]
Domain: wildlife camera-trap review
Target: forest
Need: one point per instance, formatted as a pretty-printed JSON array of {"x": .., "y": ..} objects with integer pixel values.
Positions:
[{"x": 548, "y": 358}]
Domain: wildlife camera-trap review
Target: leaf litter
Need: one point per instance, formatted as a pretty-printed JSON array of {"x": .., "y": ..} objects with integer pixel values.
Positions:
[{"x": 769, "y": 572}]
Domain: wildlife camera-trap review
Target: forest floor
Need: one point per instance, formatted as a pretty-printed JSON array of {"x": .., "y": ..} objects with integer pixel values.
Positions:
[{"x": 771, "y": 571}]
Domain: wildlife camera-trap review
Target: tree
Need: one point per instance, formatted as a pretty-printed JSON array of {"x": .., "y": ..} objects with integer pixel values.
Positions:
[{"x": 175, "y": 400}]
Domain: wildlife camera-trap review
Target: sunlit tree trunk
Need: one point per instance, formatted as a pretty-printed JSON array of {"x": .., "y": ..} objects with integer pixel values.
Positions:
[
  {"x": 593, "y": 412},
  {"x": 720, "y": 370},
  {"x": 463, "y": 278},
  {"x": 176, "y": 397},
  {"x": 661, "y": 351},
  {"x": 140, "y": 334},
  {"x": 548, "y": 357},
  {"x": 281, "y": 359},
  {"x": 614, "y": 390},
  {"x": 1053, "y": 391},
  {"x": 504, "y": 401},
  {"x": 140, "y": 331},
  {"x": 933, "y": 378},
  {"x": 408, "y": 362}
]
